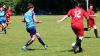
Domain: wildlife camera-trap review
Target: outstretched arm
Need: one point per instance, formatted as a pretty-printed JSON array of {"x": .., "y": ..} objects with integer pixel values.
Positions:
[
  {"x": 35, "y": 20},
  {"x": 93, "y": 15},
  {"x": 62, "y": 19}
]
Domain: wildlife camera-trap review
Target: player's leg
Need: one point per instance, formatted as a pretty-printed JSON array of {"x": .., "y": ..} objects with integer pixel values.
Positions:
[
  {"x": 1, "y": 25},
  {"x": 95, "y": 31},
  {"x": 86, "y": 29},
  {"x": 75, "y": 30},
  {"x": 79, "y": 33},
  {"x": 4, "y": 26},
  {"x": 32, "y": 32},
  {"x": 41, "y": 41},
  {"x": 89, "y": 25},
  {"x": 78, "y": 43},
  {"x": 29, "y": 42},
  {"x": 80, "y": 38},
  {"x": 7, "y": 20}
]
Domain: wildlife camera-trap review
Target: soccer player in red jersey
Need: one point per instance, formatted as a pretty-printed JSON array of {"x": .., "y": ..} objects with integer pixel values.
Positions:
[
  {"x": 77, "y": 14},
  {"x": 8, "y": 14},
  {"x": 91, "y": 22}
]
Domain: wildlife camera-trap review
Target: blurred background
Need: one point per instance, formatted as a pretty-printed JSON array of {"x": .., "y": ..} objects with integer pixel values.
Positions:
[{"x": 47, "y": 7}]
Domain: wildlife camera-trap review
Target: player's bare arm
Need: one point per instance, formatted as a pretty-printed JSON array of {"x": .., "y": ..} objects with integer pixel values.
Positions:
[
  {"x": 93, "y": 15},
  {"x": 62, "y": 19},
  {"x": 36, "y": 21}
]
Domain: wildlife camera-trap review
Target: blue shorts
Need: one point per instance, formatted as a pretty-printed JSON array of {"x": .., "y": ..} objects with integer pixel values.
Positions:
[
  {"x": 31, "y": 31},
  {"x": 3, "y": 21}
]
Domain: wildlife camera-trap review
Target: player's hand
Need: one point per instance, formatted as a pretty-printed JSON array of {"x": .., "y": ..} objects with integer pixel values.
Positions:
[{"x": 39, "y": 22}]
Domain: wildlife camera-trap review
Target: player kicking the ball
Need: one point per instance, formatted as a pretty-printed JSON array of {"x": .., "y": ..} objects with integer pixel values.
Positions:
[
  {"x": 77, "y": 14},
  {"x": 30, "y": 20}
]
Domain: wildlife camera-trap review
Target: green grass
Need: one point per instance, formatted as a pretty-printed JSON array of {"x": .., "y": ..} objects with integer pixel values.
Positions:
[{"x": 58, "y": 36}]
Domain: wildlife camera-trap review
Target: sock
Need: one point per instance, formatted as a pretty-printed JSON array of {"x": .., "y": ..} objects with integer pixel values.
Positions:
[
  {"x": 29, "y": 43},
  {"x": 5, "y": 30},
  {"x": 85, "y": 29},
  {"x": 7, "y": 24},
  {"x": 78, "y": 43},
  {"x": 41, "y": 41},
  {"x": 95, "y": 32}
]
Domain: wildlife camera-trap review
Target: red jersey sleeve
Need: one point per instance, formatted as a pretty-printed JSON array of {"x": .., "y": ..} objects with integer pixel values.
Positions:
[
  {"x": 69, "y": 12},
  {"x": 91, "y": 12}
]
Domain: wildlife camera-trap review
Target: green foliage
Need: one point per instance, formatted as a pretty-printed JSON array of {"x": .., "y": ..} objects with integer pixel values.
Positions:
[
  {"x": 53, "y": 6},
  {"x": 11, "y": 3}
]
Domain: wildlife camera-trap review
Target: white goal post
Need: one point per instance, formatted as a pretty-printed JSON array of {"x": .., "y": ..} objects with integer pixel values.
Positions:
[{"x": 87, "y": 4}]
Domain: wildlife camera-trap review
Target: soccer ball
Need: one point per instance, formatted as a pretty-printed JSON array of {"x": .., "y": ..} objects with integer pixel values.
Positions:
[{"x": 73, "y": 44}]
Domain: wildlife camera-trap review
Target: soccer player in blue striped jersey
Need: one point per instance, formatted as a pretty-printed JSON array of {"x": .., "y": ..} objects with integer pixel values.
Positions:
[
  {"x": 3, "y": 19},
  {"x": 30, "y": 20}
]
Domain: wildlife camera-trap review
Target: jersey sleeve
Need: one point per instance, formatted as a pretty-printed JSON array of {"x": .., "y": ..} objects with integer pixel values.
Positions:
[
  {"x": 2, "y": 13},
  {"x": 69, "y": 12}
]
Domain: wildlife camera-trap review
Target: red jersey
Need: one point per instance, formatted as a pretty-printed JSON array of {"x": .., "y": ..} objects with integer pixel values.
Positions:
[
  {"x": 91, "y": 22},
  {"x": 91, "y": 12},
  {"x": 77, "y": 15},
  {"x": 8, "y": 12}
]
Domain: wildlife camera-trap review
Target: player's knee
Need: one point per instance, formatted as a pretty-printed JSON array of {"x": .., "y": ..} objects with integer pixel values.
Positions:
[
  {"x": 80, "y": 37},
  {"x": 94, "y": 27},
  {"x": 37, "y": 35},
  {"x": 33, "y": 37}
]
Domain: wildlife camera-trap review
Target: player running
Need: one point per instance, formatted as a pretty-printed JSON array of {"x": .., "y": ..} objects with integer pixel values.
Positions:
[
  {"x": 30, "y": 20},
  {"x": 8, "y": 14},
  {"x": 77, "y": 14},
  {"x": 3, "y": 19},
  {"x": 91, "y": 22}
]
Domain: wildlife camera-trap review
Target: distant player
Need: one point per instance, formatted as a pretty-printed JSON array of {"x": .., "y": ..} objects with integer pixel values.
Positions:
[
  {"x": 3, "y": 19},
  {"x": 8, "y": 14},
  {"x": 77, "y": 14},
  {"x": 30, "y": 20},
  {"x": 91, "y": 22}
]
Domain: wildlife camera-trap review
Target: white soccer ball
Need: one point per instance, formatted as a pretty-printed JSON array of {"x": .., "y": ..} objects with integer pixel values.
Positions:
[{"x": 73, "y": 44}]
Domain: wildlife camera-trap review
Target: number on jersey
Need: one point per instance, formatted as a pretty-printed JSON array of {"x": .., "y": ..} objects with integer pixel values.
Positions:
[{"x": 77, "y": 14}]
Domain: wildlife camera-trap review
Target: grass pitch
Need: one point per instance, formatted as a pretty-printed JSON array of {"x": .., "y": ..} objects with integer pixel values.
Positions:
[{"x": 58, "y": 36}]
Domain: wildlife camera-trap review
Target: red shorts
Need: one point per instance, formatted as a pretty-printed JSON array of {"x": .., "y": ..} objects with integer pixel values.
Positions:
[
  {"x": 79, "y": 31},
  {"x": 91, "y": 23},
  {"x": 8, "y": 18}
]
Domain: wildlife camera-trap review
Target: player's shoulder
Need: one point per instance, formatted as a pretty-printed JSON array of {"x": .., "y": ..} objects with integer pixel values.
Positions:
[
  {"x": 2, "y": 12},
  {"x": 26, "y": 13},
  {"x": 70, "y": 10}
]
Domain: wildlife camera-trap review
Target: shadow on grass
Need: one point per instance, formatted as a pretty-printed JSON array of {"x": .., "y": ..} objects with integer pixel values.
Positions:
[
  {"x": 1, "y": 32},
  {"x": 71, "y": 50},
  {"x": 88, "y": 37},
  {"x": 29, "y": 49}
]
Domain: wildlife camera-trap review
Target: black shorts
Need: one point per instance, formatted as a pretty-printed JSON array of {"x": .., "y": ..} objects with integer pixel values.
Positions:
[{"x": 31, "y": 31}]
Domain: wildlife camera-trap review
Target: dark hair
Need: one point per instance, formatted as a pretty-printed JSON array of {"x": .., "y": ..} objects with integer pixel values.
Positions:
[
  {"x": 30, "y": 5},
  {"x": 74, "y": 3}
]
